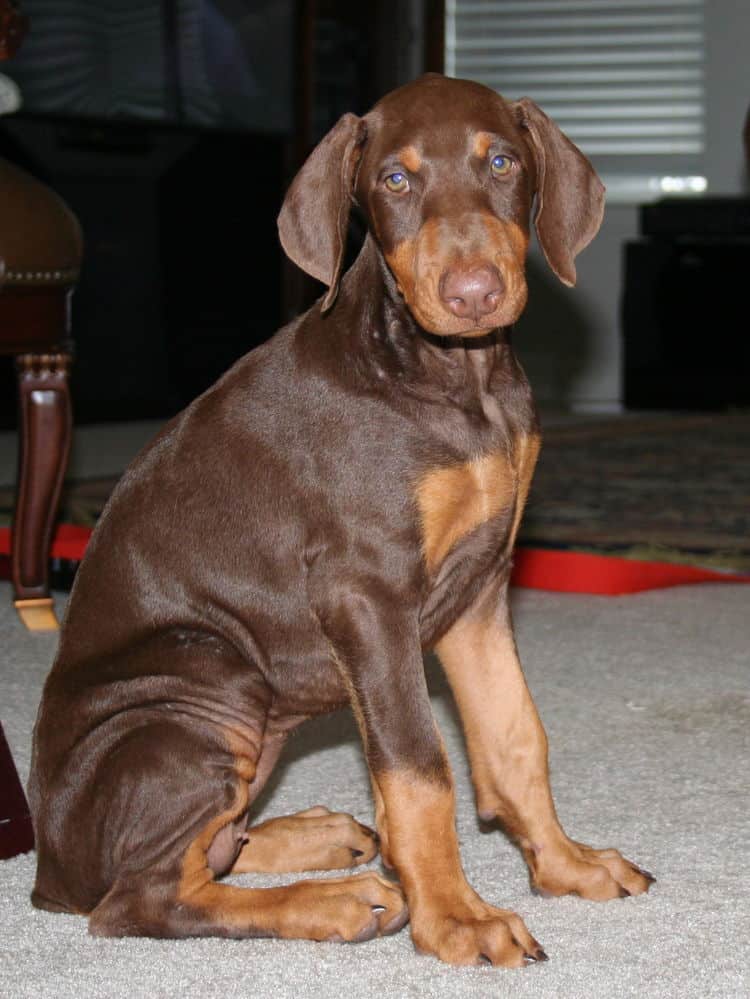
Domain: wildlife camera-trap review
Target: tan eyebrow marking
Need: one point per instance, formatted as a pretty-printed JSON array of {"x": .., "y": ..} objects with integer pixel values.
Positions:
[
  {"x": 482, "y": 143},
  {"x": 410, "y": 158}
]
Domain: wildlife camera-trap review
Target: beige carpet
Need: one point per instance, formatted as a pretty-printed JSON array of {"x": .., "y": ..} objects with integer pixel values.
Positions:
[{"x": 645, "y": 699}]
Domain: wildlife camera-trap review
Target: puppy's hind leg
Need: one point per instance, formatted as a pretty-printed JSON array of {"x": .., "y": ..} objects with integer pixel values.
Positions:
[
  {"x": 313, "y": 840},
  {"x": 168, "y": 888},
  {"x": 185, "y": 900}
]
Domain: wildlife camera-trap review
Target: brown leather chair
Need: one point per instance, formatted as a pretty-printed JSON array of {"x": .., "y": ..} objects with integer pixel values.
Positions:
[{"x": 40, "y": 257}]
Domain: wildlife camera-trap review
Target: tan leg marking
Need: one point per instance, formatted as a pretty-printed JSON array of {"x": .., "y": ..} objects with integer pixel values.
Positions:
[
  {"x": 355, "y": 908},
  {"x": 448, "y": 918},
  {"x": 381, "y": 824},
  {"x": 507, "y": 744},
  {"x": 507, "y": 747},
  {"x": 351, "y": 909},
  {"x": 313, "y": 840}
]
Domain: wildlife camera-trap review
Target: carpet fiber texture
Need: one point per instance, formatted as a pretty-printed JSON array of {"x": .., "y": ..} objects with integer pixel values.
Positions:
[{"x": 645, "y": 700}]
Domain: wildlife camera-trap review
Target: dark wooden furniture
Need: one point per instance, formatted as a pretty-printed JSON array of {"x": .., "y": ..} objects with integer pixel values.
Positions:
[
  {"x": 16, "y": 833},
  {"x": 40, "y": 255}
]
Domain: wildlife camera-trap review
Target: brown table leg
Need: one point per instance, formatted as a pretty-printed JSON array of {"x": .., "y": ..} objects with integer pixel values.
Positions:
[{"x": 45, "y": 433}]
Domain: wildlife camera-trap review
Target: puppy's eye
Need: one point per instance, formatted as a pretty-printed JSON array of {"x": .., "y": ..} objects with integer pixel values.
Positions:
[
  {"x": 397, "y": 183},
  {"x": 501, "y": 166}
]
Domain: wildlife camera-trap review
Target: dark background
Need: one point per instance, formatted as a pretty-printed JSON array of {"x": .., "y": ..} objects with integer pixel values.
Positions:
[
  {"x": 174, "y": 148},
  {"x": 173, "y": 129}
]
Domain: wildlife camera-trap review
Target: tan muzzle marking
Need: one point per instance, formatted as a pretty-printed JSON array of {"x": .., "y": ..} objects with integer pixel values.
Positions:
[{"x": 419, "y": 263}]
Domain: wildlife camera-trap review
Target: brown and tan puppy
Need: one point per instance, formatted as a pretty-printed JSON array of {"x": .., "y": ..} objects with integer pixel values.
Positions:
[{"x": 344, "y": 499}]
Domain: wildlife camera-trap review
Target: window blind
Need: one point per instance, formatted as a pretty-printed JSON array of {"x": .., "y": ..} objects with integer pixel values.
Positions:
[{"x": 625, "y": 81}]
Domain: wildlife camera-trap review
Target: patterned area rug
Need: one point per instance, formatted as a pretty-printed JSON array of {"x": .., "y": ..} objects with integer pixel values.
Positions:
[{"x": 663, "y": 488}]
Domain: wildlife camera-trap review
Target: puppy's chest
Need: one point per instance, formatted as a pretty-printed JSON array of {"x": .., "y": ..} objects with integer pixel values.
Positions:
[
  {"x": 456, "y": 500},
  {"x": 469, "y": 514}
]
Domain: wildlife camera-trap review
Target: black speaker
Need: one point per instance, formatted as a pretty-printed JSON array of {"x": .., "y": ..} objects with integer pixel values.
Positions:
[{"x": 686, "y": 323}]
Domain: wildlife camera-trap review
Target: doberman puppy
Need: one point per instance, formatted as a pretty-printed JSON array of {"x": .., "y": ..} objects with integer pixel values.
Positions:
[{"x": 343, "y": 499}]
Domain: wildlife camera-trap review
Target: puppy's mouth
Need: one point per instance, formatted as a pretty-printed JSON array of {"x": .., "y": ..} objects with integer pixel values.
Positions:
[{"x": 467, "y": 308}]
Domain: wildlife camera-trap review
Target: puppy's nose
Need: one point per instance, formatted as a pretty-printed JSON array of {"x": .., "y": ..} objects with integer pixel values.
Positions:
[{"x": 471, "y": 294}]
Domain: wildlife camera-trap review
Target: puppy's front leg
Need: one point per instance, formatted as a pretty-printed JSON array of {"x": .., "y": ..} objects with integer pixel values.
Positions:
[
  {"x": 376, "y": 648},
  {"x": 508, "y": 751}
]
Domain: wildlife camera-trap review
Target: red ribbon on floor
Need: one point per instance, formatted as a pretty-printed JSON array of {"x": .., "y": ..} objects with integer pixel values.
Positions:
[
  {"x": 605, "y": 575},
  {"x": 534, "y": 568},
  {"x": 69, "y": 542}
]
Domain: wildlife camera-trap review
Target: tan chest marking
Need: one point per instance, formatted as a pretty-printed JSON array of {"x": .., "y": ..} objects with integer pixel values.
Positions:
[{"x": 453, "y": 501}]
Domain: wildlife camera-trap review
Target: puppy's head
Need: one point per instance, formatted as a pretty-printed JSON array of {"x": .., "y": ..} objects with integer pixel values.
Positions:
[{"x": 445, "y": 172}]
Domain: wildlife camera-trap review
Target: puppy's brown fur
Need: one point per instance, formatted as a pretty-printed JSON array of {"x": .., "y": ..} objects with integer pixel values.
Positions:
[{"x": 345, "y": 498}]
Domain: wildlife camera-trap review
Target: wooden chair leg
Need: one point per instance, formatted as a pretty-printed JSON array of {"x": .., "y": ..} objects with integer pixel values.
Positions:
[{"x": 45, "y": 434}]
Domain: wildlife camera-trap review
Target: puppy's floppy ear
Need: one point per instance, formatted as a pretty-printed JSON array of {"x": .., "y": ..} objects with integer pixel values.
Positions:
[
  {"x": 569, "y": 194},
  {"x": 315, "y": 214}
]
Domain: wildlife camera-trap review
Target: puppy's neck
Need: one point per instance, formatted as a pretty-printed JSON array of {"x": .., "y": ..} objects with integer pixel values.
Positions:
[{"x": 388, "y": 343}]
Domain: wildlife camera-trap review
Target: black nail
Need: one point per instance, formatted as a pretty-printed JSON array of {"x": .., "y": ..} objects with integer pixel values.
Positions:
[{"x": 541, "y": 893}]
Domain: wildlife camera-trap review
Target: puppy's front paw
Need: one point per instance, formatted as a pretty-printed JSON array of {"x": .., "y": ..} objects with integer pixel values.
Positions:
[
  {"x": 343, "y": 910},
  {"x": 576, "y": 869},
  {"x": 475, "y": 933}
]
